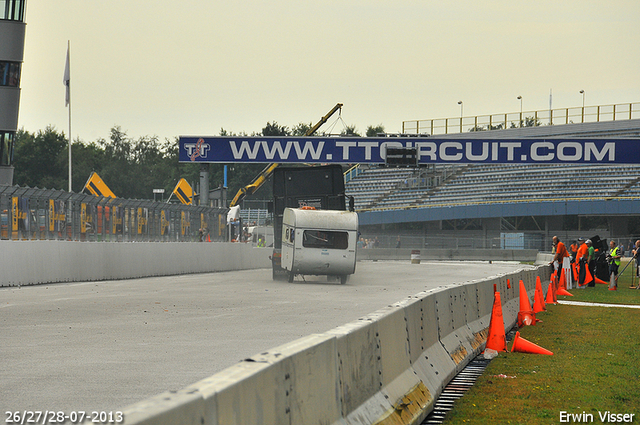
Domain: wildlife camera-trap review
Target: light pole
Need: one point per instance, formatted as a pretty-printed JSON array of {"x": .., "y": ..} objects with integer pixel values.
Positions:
[
  {"x": 461, "y": 109},
  {"x": 582, "y": 93},
  {"x": 520, "y": 99}
]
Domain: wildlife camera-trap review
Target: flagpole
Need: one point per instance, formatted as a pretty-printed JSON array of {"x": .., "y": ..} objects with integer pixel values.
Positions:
[{"x": 69, "y": 104}]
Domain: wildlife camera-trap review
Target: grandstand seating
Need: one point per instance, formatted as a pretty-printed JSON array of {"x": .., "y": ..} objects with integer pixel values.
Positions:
[
  {"x": 374, "y": 184},
  {"x": 384, "y": 188}
]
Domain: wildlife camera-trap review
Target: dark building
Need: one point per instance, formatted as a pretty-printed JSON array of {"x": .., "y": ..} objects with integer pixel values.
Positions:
[{"x": 12, "y": 32}]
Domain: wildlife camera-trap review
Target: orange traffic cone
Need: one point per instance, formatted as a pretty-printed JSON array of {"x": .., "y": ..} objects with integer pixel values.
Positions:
[
  {"x": 497, "y": 339},
  {"x": 526, "y": 316},
  {"x": 550, "y": 298},
  {"x": 538, "y": 298},
  {"x": 508, "y": 284},
  {"x": 600, "y": 281},
  {"x": 521, "y": 345},
  {"x": 562, "y": 291},
  {"x": 588, "y": 277},
  {"x": 563, "y": 280}
]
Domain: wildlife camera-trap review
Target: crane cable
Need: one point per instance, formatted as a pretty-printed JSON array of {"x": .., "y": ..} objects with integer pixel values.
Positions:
[{"x": 338, "y": 119}]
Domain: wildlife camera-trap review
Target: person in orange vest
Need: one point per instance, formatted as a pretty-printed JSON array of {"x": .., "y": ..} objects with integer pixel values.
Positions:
[
  {"x": 573, "y": 250},
  {"x": 560, "y": 254},
  {"x": 582, "y": 258}
]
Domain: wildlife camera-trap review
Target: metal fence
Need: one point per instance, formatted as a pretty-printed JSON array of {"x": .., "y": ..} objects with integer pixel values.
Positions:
[
  {"x": 623, "y": 111},
  {"x": 45, "y": 214},
  {"x": 505, "y": 241}
]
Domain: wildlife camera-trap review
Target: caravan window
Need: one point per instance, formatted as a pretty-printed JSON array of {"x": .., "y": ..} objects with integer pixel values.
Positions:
[
  {"x": 289, "y": 235},
  {"x": 325, "y": 239}
]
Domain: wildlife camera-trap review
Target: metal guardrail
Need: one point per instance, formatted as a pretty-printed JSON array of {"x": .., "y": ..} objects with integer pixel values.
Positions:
[
  {"x": 622, "y": 111},
  {"x": 352, "y": 173},
  {"x": 43, "y": 214}
]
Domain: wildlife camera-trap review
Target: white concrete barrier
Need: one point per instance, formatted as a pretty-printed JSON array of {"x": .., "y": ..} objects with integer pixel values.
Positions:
[
  {"x": 36, "y": 262},
  {"x": 386, "y": 368},
  {"x": 430, "y": 361}
]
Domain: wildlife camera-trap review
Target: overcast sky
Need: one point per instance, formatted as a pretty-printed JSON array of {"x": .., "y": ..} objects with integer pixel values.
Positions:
[{"x": 192, "y": 67}]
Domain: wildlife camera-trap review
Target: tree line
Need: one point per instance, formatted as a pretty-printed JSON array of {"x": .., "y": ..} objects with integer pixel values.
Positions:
[{"x": 132, "y": 168}]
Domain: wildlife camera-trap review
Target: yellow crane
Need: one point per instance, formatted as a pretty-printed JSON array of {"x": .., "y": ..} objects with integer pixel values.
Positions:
[{"x": 252, "y": 187}]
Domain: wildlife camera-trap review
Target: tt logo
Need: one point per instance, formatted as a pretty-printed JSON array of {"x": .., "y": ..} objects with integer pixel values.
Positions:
[{"x": 199, "y": 149}]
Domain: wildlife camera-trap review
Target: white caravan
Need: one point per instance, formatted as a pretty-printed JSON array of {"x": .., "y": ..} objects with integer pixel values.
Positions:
[{"x": 319, "y": 242}]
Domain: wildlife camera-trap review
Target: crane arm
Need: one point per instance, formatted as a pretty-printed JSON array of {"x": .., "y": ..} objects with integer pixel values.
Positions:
[
  {"x": 323, "y": 120},
  {"x": 254, "y": 185},
  {"x": 268, "y": 170}
]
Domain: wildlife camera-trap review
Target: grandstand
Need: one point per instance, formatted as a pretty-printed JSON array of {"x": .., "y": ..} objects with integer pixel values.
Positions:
[
  {"x": 380, "y": 188},
  {"x": 387, "y": 198}
]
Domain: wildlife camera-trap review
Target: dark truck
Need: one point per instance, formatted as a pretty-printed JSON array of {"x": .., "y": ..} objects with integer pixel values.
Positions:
[{"x": 319, "y": 187}]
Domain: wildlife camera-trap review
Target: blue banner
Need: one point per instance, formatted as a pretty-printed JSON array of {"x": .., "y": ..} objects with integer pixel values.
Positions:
[{"x": 372, "y": 150}]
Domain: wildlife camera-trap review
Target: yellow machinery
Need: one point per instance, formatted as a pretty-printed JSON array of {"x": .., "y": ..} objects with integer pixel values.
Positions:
[
  {"x": 268, "y": 170},
  {"x": 97, "y": 187},
  {"x": 183, "y": 192}
]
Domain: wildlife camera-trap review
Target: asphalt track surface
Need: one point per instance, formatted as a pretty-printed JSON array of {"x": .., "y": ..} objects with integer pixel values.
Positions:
[{"x": 101, "y": 346}]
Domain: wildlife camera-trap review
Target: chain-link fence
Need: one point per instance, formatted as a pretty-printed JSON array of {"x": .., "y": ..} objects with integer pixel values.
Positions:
[
  {"x": 43, "y": 214},
  {"x": 505, "y": 241}
]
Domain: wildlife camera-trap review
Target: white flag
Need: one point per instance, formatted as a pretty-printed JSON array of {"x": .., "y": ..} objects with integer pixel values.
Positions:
[{"x": 66, "y": 80}]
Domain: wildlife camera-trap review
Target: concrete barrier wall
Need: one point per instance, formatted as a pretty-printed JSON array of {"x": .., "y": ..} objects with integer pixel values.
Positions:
[
  {"x": 543, "y": 258},
  {"x": 388, "y": 367},
  {"x": 449, "y": 254},
  {"x": 36, "y": 262}
]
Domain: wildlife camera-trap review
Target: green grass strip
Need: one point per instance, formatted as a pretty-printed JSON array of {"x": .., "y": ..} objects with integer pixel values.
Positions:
[{"x": 595, "y": 367}]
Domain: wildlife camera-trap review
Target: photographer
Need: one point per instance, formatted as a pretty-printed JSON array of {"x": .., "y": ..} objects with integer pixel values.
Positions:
[
  {"x": 635, "y": 251},
  {"x": 614, "y": 263}
]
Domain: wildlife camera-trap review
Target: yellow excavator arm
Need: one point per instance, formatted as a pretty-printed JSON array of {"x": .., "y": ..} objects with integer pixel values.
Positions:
[
  {"x": 264, "y": 175},
  {"x": 254, "y": 185}
]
